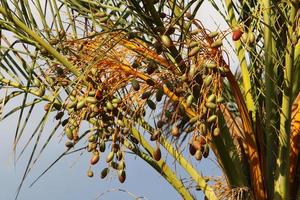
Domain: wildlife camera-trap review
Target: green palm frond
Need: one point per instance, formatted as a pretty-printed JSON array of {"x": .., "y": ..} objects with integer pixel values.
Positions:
[{"x": 126, "y": 66}]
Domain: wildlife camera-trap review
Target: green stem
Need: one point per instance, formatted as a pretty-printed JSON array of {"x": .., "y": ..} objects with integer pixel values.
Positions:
[
  {"x": 42, "y": 17},
  {"x": 241, "y": 55},
  {"x": 35, "y": 92},
  {"x": 160, "y": 166},
  {"x": 53, "y": 17},
  {"x": 282, "y": 187},
  {"x": 226, "y": 152},
  {"x": 57, "y": 14},
  {"x": 269, "y": 100},
  {"x": 72, "y": 23},
  {"x": 208, "y": 191}
]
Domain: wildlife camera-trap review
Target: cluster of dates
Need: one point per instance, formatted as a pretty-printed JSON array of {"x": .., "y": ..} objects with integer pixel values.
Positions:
[{"x": 183, "y": 105}]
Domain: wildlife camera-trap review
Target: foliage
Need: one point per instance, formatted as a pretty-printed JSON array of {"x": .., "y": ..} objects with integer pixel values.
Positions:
[{"x": 135, "y": 68}]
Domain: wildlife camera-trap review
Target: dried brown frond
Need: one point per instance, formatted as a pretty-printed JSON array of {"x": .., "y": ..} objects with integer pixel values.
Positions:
[
  {"x": 295, "y": 145},
  {"x": 224, "y": 192}
]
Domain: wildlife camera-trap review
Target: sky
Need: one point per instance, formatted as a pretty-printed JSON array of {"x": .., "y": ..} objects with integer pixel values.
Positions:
[{"x": 67, "y": 180}]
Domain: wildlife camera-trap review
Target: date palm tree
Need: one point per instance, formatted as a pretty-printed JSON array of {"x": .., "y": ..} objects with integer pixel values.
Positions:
[{"x": 149, "y": 78}]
